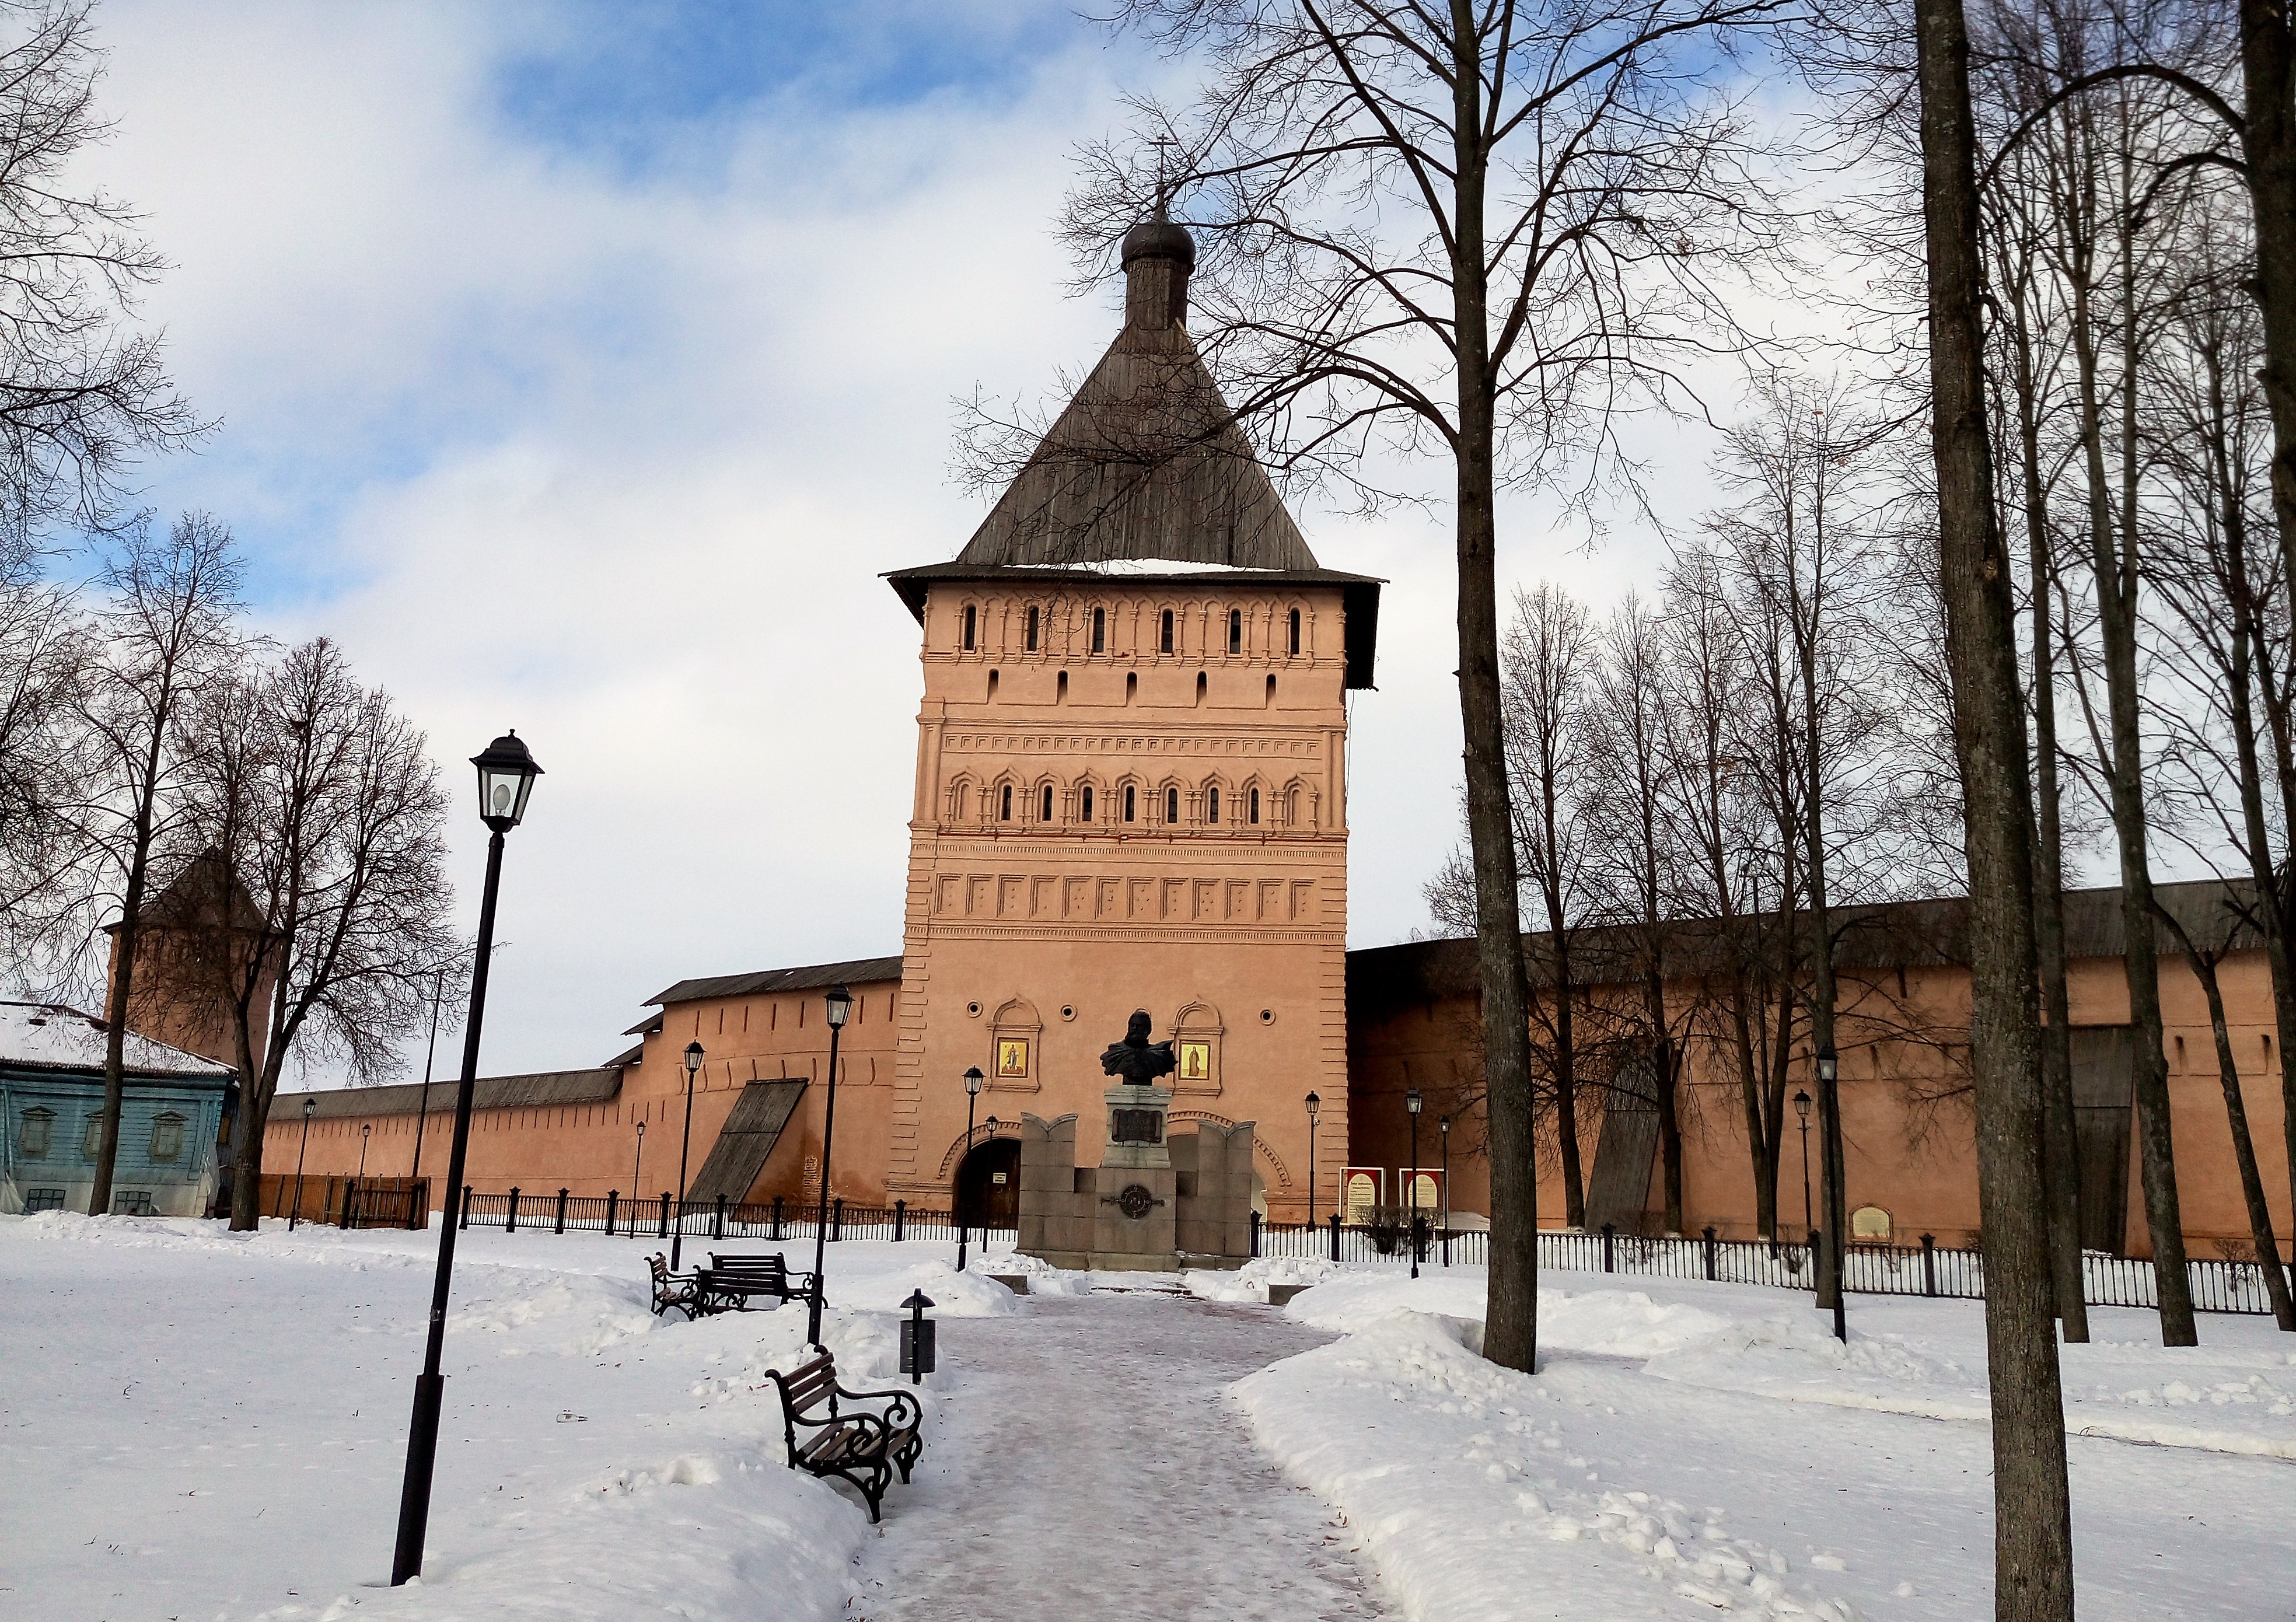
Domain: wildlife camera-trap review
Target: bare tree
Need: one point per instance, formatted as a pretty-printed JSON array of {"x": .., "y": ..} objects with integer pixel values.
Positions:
[
  {"x": 167, "y": 633},
  {"x": 83, "y": 391},
  {"x": 1481, "y": 230},
  {"x": 326, "y": 811},
  {"x": 2033, "y": 1510},
  {"x": 1547, "y": 665},
  {"x": 44, "y": 651}
]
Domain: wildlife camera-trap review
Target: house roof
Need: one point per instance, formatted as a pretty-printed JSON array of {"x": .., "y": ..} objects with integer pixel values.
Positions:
[
  {"x": 53, "y": 1036},
  {"x": 765, "y": 982},
  {"x": 1931, "y": 932},
  {"x": 541, "y": 1090}
]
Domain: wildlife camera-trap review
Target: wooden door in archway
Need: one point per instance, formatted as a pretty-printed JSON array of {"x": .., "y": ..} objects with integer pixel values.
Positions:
[{"x": 988, "y": 1185}]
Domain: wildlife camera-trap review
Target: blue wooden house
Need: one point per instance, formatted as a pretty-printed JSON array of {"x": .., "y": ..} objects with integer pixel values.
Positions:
[{"x": 52, "y": 1117}]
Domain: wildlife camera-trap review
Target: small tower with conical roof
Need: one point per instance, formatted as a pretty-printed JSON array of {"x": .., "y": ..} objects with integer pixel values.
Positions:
[{"x": 1131, "y": 780}]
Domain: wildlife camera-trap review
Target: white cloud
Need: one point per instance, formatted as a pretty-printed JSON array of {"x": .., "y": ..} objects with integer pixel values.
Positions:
[{"x": 615, "y": 453}]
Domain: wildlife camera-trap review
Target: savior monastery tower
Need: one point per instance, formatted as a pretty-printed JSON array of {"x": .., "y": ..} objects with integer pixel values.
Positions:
[{"x": 1131, "y": 785}]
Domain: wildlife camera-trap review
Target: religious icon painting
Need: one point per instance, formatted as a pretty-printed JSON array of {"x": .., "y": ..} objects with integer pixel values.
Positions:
[
  {"x": 1195, "y": 1061},
  {"x": 1013, "y": 1056}
]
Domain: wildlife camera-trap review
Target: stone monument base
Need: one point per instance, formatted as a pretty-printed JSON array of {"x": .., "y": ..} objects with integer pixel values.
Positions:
[{"x": 1194, "y": 1211}]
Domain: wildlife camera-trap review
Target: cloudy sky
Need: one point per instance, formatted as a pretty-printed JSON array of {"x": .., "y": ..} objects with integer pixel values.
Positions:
[{"x": 581, "y": 367}]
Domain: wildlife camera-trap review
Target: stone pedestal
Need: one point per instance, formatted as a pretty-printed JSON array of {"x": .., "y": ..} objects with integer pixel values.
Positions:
[
  {"x": 1137, "y": 1222},
  {"x": 1150, "y": 1204}
]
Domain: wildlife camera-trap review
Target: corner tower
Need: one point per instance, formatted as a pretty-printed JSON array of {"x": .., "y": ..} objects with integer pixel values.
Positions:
[{"x": 1131, "y": 786}]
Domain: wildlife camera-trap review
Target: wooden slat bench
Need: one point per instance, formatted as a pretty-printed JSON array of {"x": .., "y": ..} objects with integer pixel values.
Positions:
[
  {"x": 728, "y": 1282},
  {"x": 857, "y": 1446},
  {"x": 682, "y": 1291}
]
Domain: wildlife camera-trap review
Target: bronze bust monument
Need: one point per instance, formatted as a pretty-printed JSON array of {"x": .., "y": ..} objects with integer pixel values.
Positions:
[{"x": 1137, "y": 1060}]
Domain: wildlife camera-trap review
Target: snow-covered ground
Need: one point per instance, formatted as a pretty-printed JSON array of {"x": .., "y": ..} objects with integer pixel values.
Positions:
[
  {"x": 201, "y": 1426},
  {"x": 1688, "y": 1448},
  {"x": 193, "y": 1425}
]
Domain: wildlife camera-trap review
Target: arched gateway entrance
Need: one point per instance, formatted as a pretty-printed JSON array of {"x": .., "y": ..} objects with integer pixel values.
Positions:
[{"x": 988, "y": 1185}]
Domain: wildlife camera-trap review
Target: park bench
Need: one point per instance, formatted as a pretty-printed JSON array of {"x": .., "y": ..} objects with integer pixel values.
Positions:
[
  {"x": 857, "y": 1446},
  {"x": 728, "y": 1282},
  {"x": 682, "y": 1291}
]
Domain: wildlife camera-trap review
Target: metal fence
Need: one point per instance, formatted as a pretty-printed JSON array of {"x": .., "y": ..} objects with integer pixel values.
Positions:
[
  {"x": 1927, "y": 1269},
  {"x": 559, "y": 1211}
]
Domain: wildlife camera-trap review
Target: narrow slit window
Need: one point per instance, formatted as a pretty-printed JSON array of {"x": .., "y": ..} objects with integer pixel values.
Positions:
[
  {"x": 1004, "y": 813},
  {"x": 1271, "y": 691},
  {"x": 992, "y": 684},
  {"x": 1172, "y": 804},
  {"x": 1032, "y": 630},
  {"x": 1100, "y": 630},
  {"x": 1131, "y": 685},
  {"x": 968, "y": 627},
  {"x": 1211, "y": 804},
  {"x": 1164, "y": 635},
  {"x": 1128, "y": 805},
  {"x": 1084, "y": 805},
  {"x": 1203, "y": 686},
  {"x": 1061, "y": 689},
  {"x": 1046, "y": 814},
  {"x": 1255, "y": 807},
  {"x": 1295, "y": 632},
  {"x": 1235, "y": 630}
]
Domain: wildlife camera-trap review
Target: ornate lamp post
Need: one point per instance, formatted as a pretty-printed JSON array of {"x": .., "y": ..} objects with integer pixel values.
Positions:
[
  {"x": 1315, "y": 1106},
  {"x": 972, "y": 1080},
  {"x": 841, "y": 1006},
  {"x": 1829, "y": 1124},
  {"x": 677, "y": 1234},
  {"x": 1411, "y": 1207},
  {"x": 310, "y": 1108},
  {"x": 506, "y": 775},
  {"x": 1445, "y": 1123},
  {"x": 1801, "y": 1110},
  {"x": 637, "y": 1188}
]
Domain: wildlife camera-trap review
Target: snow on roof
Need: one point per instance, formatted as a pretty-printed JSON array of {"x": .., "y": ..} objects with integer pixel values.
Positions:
[{"x": 51, "y": 1037}]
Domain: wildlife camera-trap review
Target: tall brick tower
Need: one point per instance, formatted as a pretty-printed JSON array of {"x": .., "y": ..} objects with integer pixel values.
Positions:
[{"x": 1131, "y": 786}]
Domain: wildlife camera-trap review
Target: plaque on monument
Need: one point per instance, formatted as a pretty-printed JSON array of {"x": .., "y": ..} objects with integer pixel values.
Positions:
[{"x": 1135, "y": 1126}]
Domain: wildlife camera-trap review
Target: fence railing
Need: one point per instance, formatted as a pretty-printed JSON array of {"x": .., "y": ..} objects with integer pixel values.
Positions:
[
  {"x": 1927, "y": 1269},
  {"x": 558, "y": 1212}
]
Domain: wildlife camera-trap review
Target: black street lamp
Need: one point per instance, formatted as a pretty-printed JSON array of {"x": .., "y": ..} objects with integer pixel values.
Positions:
[
  {"x": 1315, "y": 1106},
  {"x": 506, "y": 775},
  {"x": 1829, "y": 1111},
  {"x": 1411, "y": 1205},
  {"x": 1445, "y": 1123},
  {"x": 972, "y": 1080},
  {"x": 310, "y": 1108},
  {"x": 841, "y": 1006},
  {"x": 637, "y": 1186},
  {"x": 365, "y": 1128},
  {"x": 677, "y": 1234},
  {"x": 1801, "y": 1109}
]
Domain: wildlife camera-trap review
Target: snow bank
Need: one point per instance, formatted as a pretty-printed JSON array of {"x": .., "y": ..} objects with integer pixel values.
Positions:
[{"x": 1450, "y": 1469}]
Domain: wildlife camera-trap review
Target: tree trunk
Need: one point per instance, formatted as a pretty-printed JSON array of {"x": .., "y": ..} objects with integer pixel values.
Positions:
[
  {"x": 2032, "y": 1520},
  {"x": 1566, "y": 1098},
  {"x": 1757, "y": 1136},
  {"x": 2061, "y": 1145},
  {"x": 115, "y": 1036},
  {"x": 1511, "y": 1311},
  {"x": 2243, "y": 1147},
  {"x": 2268, "y": 53}
]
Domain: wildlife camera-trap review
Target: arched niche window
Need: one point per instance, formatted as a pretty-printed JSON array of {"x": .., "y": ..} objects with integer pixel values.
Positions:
[
  {"x": 1171, "y": 806},
  {"x": 1295, "y": 633},
  {"x": 166, "y": 1137},
  {"x": 1013, "y": 1032},
  {"x": 1084, "y": 804},
  {"x": 1100, "y": 630},
  {"x": 1196, "y": 1035},
  {"x": 1005, "y": 803},
  {"x": 1045, "y": 804},
  {"x": 1211, "y": 804},
  {"x": 1032, "y": 630},
  {"x": 1253, "y": 805},
  {"x": 1235, "y": 630},
  {"x": 1164, "y": 632},
  {"x": 960, "y": 800},
  {"x": 969, "y": 628},
  {"x": 992, "y": 684},
  {"x": 37, "y": 1134},
  {"x": 1131, "y": 802},
  {"x": 1203, "y": 687}
]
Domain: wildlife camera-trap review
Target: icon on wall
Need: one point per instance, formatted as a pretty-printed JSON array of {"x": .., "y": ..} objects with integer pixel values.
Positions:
[
  {"x": 1195, "y": 1061},
  {"x": 1013, "y": 1056}
]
